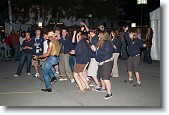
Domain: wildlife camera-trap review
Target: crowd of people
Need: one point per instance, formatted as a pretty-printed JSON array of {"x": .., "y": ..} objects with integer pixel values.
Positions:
[{"x": 81, "y": 56}]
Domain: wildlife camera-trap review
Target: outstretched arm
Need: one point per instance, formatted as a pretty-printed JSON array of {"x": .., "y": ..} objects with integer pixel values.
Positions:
[{"x": 82, "y": 23}]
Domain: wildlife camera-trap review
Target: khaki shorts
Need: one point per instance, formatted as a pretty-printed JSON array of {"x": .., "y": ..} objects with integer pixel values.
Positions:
[
  {"x": 93, "y": 67},
  {"x": 39, "y": 62}
]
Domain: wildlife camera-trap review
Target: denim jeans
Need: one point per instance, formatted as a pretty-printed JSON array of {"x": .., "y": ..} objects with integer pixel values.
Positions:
[
  {"x": 72, "y": 60},
  {"x": 51, "y": 74},
  {"x": 25, "y": 57},
  {"x": 4, "y": 54},
  {"x": 47, "y": 69},
  {"x": 147, "y": 55},
  {"x": 17, "y": 51}
]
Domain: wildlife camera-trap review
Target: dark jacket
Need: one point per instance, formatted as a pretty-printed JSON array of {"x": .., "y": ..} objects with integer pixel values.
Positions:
[
  {"x": 105, "y": 52},
  {"x": 94, "y": 41},
  {"x": 82, "y": 52},
  {"x": 66, "y": 42},
  {"x": 117, "y": 43},
  {"x": 133, "y": 47},
  {"x": 29, "y": 44}
]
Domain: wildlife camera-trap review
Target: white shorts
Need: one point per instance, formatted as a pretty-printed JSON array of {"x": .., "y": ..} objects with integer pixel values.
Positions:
[{"x": 93, "y": 67}]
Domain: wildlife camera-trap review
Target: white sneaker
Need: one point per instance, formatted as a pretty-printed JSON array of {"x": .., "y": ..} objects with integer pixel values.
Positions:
[
  {"x": 72, "y": 80},
  {"x": 29, "y": 73},
  {"x": 57, "y": 74},
  {"x": 61, "y": 79},
  {"x": 37, "y": 75},
  {"x": 16, "y": 75}
]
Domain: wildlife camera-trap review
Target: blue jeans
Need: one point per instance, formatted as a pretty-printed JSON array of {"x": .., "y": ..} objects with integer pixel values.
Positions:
[
  {"x": 147, "y": 55},
  {"x": 25, "y": 57},
  {"x": 51, "y": 74},
  {"x": 72, "y": 60},
  {"x": 47, "y": 70},
  {"x": 17, "y": 51}
]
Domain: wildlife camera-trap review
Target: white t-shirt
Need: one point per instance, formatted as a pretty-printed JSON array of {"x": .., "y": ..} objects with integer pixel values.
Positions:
[
  {"x": 45, "y": 46},
  {"x": 21, "y": 39}
]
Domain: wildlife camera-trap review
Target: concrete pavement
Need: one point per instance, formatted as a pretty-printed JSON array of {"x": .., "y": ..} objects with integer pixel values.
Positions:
[{"x": 25, "y": 90}]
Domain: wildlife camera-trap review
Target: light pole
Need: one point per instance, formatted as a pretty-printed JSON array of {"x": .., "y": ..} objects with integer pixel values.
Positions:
[{"x": 141, "y": 2}]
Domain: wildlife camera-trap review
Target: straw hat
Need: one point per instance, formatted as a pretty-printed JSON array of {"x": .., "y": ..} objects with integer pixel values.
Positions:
[{"x": 51, "y": 34}]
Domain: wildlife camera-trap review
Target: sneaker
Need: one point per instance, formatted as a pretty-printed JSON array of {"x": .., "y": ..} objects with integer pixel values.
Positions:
[
  {"x": 108, "y": 96},
  {"x": 57, "y": 74},
  {"x": 61, "y": 79},
  {"x": 137, "y": 84},
  {"x": 29, "y": 73},
  {"x": 100, "y": 90},
  {"x": 92, "y": 84},
  {"x": 53, "y": 80},
  {"x": 16, "y": 75},
  {"x": 72, "y": 80},
  {"x": 37, "y": 75},
  {"x": 130, "y": 81}
]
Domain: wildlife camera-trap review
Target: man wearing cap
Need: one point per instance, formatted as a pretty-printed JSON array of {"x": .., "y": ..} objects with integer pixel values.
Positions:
[{"x": 52, "y": 55}]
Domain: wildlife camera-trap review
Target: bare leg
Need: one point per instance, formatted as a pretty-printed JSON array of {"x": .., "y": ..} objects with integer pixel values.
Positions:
[
  {"x": 77, "y": 79},
  {"x": 84, "y": 80},
  {"x": 137, "y": 77},
  {"x": 96, "y": 80},
  {"x": 108, "y": 86},
  {"x": 36, "y": 67},
  {"x": 130, "y": 75},
  {"x": 103, "y": 84},
  {"x": 56, "y": 68}
]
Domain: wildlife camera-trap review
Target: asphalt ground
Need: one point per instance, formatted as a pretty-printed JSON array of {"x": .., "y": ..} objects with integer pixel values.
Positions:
[{"x": 26, "y": 90}]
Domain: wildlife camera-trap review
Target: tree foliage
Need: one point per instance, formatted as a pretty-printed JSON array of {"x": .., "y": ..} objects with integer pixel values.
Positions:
[{"x": 63, "y": 8}]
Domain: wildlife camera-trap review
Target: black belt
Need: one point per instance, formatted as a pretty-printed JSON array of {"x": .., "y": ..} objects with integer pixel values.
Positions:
[{"x": 55, "y": 55}]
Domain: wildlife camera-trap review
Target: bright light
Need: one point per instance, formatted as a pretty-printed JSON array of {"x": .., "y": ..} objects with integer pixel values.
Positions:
[
  {"x": 133, "y": 25},
  {"x": 40, "y": 24},
  {"x": 141, "y": 1},
  {"x": 90, "y": 15},
  {"x": 3, "y": 30}
]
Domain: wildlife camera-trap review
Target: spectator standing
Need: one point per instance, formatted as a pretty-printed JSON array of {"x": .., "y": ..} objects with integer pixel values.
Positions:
[
  {"x": 64, "y": 66},
  {"x": 37, "y": 50},
  {"x": 116, "y": 42},
  {"x": 27, "y": 53}
]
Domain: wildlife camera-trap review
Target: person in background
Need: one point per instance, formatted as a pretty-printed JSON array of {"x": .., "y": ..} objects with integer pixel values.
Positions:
[
  {"x": 72, "y": 59},
  {"x": 53, "y": 58},
  {"x": 11, "y": 41},
  {"x": 124, "y": 54},
  {"x": 64, "y": 66},
  {"x": 37, "y": 50},
  {"x": 8, "y": 43},
  {"x": 22, "y": 37},
  {"x": 116, "y": 42},
  {"x": 27, "y": 53},
  {"x": 16, "y": 45},
  {"x": 139, "y": 35},
  {"x": 3, "y": 48},
  {"x": 133, "y": 63},
  {"x": 148, "y": 41},
  {"x": 104, "y": 52},
  {"x": 82, "y": 53},
  {"x": 57, "y": 33}
]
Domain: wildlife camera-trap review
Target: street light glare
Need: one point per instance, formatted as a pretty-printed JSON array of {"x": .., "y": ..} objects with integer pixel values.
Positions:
[{"x": 141, "y": 1}]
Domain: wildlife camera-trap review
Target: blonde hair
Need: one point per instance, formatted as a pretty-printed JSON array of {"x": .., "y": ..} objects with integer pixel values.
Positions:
[{"x": 103, "y": 36}]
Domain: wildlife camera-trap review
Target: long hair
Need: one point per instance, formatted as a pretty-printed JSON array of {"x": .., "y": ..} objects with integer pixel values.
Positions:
[{"x": 103, "y": 36}]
